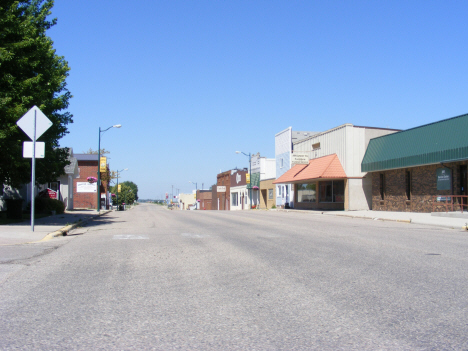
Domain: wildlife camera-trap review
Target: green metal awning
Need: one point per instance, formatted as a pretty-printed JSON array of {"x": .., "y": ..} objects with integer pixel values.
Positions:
[
  {"x": 254, "y": 180},
  {"x": 442, "y": 141}
]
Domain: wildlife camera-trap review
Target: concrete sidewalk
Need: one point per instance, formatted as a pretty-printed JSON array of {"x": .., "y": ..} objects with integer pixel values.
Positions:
[
  {"x": 46, "y": 228},
  {"x": 454, "y": 220}
]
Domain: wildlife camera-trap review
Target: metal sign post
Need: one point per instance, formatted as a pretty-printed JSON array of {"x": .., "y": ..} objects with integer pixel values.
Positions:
[
  {"x": 33, "y": 173},
  {"x": 34, "y": 123}
]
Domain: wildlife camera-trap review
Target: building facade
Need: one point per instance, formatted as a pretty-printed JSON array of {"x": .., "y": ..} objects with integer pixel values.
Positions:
[
  {"x": 283, "y": 149},
  {"x": 327, "y": 169},
  {"x": 187, "y": 200},
  {"x": 62, "y": 187},
  {"x": 84, "y": 192},
  {"x": 223, "y": 187},
  {"x": 423, "y": 169},
  {"x": 239, "y": 192},
  {"x": 263, "y": 175},
  {"x": 204, "y": 199}
]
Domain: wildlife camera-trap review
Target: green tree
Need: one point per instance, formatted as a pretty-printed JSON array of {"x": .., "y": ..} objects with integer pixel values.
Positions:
[
  {"x": 132, "y": 186},
  {"x": 126, "y": 194},
  {"x": 30, "y": 74}
]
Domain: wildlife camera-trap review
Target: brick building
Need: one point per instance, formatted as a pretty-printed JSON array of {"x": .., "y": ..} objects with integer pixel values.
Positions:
[
  {"x": 223, "y": 185},
  {"x": 420, "y": 169},
  {"x": 204, "y": 199},
  {"x": 85, "y": 193}
]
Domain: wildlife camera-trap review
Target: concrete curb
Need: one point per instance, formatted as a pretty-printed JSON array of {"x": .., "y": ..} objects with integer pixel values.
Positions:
[
  {"x": 409, "y": 221},
  {"x": 64, "y": 231}
]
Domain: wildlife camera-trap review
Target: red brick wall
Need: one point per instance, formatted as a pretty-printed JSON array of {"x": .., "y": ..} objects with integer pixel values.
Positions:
[
  {"x": 423, "y": 188},
  {"x": 85, "y": 200},
  {"x": 224, "y": 179},
  {"x": 205, "y": 199}
]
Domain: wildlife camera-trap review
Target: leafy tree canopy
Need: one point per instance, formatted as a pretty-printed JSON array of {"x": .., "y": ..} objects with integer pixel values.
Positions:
[
  {"x": 132, "y": 186},
  {"x": 126, "y": 194},
  {"x": 30, "y": 74}
]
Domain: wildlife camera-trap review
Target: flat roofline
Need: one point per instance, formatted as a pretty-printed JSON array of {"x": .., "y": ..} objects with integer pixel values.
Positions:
[{"x": 366, "y": 127}]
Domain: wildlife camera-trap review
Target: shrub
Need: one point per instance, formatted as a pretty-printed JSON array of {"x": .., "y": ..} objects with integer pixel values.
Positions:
[{"x": 45, "y": 205}]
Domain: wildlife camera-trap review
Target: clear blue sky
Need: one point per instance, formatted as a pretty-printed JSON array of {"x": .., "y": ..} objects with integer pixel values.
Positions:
[{"x": 191, "y": 82}]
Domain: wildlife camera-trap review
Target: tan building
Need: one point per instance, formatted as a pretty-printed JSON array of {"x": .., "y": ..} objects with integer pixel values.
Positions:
[
  {"x": 267, "y": 194},
  {"x": 187, "y": 200},
  {"x": 326, "y": 172}
]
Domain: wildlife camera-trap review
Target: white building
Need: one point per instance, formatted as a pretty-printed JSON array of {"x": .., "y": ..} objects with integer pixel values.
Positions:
[
  {"x": 239, "y": 192},
  {"x": 63, "y": 186},
  {"x": 283, "y": 148},
  {"x": 262, "y": 169},
  {"x": 331, "y": 177}
]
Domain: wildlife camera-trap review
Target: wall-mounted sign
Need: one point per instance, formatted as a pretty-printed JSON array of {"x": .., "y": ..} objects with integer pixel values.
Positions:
[
  {"x": 444, "y": 178},
  {"x": 255, "y": 163},
  {"x": 299, "y": 158},
  {"x": 86, "y": 187},
  {"x": 103, "y": 164},
  {"x": 221, "y": 189}
]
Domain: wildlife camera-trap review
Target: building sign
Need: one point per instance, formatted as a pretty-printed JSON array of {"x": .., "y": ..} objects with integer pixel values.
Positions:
[
  {"x": 86, "y": 187},
  {"x": 51, "y": 193},
  {"x": 299, "y": 158},
  {"x": 221, "y": 189},
  {"x": 255, "y": 163},
  {"x": 444, "y": 178},
  {"x": 103, "y": 164}
]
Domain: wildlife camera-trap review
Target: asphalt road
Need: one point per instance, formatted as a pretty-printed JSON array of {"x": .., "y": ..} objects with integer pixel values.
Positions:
[{"x": 155, "y": 279}]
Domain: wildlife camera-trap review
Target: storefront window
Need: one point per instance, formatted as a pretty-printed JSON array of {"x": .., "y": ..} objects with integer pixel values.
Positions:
[
  {"x": 331, "y": 191},
  {"x": 326, "y": 189},
  {"x": 306, "y": 192},
  {"x": 338, "y": 191},
  {"x": 270, "y": 194},
  {"x": 234, "y": 199}
]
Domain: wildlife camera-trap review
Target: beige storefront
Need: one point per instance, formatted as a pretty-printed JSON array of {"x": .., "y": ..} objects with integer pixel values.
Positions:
[{"x": 267, "y": 193}]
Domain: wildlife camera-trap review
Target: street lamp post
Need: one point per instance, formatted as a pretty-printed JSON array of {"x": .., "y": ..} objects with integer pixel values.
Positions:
[
  {"x": 250, "y": 174},
  {"x": 196, "y": 188},
  {"x": 99, "y": 165},
  {"x": 125, "y": 169}
]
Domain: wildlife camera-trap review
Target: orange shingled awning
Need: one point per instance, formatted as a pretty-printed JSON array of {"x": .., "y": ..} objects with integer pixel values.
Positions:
[{"x": 327, "y": 167}]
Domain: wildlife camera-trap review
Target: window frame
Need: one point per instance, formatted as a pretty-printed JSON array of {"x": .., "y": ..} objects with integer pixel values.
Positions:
[
  {"x": 235, "y": 197},
  {"x": 333, "y": 195},
  {"x": 408, "y": 185},
  {"x": 300, "y": 195},
  {"x": 382, "y": 186}
]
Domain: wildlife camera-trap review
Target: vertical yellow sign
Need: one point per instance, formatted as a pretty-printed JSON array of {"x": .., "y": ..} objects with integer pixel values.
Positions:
[
  {"x": 247, "y": 178},
  {"x": 118, "y": 188},
  {"x": 103, "y": 164}
]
